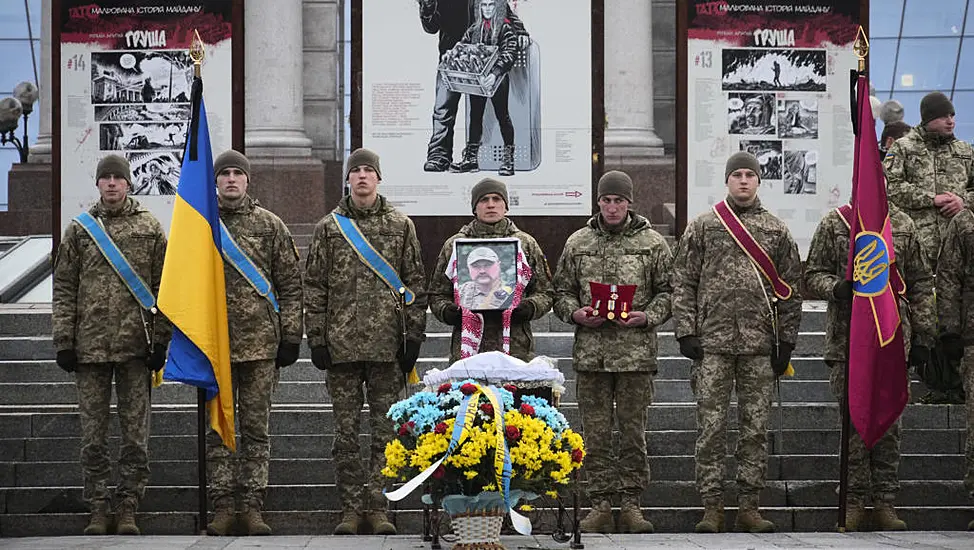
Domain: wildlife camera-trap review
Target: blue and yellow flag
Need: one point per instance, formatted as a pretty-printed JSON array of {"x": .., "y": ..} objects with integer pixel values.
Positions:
[{"x": 192, "y": 292}]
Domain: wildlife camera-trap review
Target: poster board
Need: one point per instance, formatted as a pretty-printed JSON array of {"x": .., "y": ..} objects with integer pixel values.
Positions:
[
  {"x": 772, "y": 78},
  {"x": 122, "y": 78},
  {"x": 402, "y": 100}
]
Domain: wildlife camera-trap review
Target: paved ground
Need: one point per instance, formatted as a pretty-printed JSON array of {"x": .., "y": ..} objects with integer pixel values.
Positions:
[{"x": 918, "y": 540}]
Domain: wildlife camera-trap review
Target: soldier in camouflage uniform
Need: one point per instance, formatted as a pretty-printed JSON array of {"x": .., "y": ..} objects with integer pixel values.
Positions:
[
  {"x": 722, "y": 309},
  {"x": 262, "y": 340},
  {"x": 360, "y": 333},
  {"x": 871, "y": 472},
  {"x": 101, "y": 333},
  {"x": 489, "y": 203},
  {"x": 955, "y": 309},
  {"x": 930, "y": 173},
  {"x": 615, "y": 361}
]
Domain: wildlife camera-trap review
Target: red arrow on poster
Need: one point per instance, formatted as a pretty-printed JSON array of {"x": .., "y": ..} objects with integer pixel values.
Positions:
[{"x": 575, "y": 194}]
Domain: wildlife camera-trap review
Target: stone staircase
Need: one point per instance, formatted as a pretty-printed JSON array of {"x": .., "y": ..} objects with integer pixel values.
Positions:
[{"x": 40, "y": 478}]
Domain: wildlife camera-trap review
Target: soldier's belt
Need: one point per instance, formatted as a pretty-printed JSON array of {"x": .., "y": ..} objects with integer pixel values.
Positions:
[
  {"x": 118, "y": 261},
  {"x": 246, "y": 267}
]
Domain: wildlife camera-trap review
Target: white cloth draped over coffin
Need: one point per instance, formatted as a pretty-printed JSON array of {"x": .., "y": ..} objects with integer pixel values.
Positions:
[{"x": 497, "y": 368}]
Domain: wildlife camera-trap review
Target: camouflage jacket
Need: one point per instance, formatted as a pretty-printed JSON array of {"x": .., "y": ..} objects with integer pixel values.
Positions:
[
  {"x": 826, "y": 266},
  {"x": 719, "y": 296},
  {"x": 955, "y": 278},
  {"x": 94, "y": 313},
  {"x": 634, "y": 255},
  {"x": 255, "y": 328},
  {"x": 921, "y": 165},
  {"x": 347, "y": 306},
  {"x": 538, "y": 292}
]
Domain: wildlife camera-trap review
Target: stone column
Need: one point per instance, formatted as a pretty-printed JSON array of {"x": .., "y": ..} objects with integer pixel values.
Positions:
[
  {"x": 40, "y": 151},
  {"x": 274, "y": 67},
  {"x": 629, "y": 136}
]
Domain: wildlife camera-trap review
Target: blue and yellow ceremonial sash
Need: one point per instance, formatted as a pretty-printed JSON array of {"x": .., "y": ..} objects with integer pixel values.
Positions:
[
  {"x": 243, "y": 264},
  {"x": 117, "y": 260},
  {"x": 371, "y": 257}
]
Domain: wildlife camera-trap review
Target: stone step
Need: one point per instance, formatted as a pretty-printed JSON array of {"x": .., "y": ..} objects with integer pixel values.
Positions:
[
  {"x": 310, "y": 497},
  {"x": 658, "y": 443},
  {"x": 669, "y": 368},
  {"x": 552, "y": 344},
  {"x": 321, "y": 470},
  {"x": 315, "y": 420},
  {"x": 409, "y": 523},
  {"x": 312, "y": 392},
  {"x": 18, "y": 322}
]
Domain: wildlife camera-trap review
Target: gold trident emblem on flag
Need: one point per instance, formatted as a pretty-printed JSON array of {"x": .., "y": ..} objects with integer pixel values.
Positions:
[{"x": 869, "y": 263}]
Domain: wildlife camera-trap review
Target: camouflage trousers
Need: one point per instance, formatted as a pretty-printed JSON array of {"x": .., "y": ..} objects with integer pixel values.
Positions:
[
  {"x": 871, "y": 472},
  {"x": 133, "y": 389},
  {"x": 605, "y": 398},
  {"x": 967, "y": 373},
  {"x": 244, "y": 474},
  {"x": 712, "y": 381},
  {"x": 349, "y": 385}
]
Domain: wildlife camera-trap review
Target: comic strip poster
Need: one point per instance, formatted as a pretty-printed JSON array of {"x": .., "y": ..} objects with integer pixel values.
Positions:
[
  {"x": 772, "y": 78},
  {"x": 126, "y": 79},
  {"x": 457, "y": 90}
]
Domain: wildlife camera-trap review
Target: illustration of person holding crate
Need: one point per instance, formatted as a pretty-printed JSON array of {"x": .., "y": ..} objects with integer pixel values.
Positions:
[
  {"x": 450, "y": 19},
  {"x": 491, "y": 28}
]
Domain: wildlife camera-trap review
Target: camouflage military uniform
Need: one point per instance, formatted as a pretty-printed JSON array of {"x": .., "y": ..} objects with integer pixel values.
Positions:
[
  {"x": 870, "y": 471},
  {"x": 498, "y": 297},
  {"x": 356, "y": 315},
  {"x": 919, "y": 166},
  {"x": 538, "y": 292},
  {"x": 719, "y": 297},
  {"x": 615, "y": 365},
  {"x": 96, "y": 315},
  {"x": 255, "y": 332},
  {"x": 955, "y": 282}
]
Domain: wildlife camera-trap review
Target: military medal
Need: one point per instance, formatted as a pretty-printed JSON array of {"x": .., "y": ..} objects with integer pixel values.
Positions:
[
  {"x": 625, "y": 310},
  {"x": 612, "y": 302},
  {"x": 595, "y": 308},
  {"x": 616, "y": 298}
]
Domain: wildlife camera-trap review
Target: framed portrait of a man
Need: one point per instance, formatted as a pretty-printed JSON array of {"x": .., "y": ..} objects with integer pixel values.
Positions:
[{"x": 486, "y": 273}]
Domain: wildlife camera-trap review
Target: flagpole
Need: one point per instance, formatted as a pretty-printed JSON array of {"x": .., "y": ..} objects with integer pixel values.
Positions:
[
  {"x": 196, "y": 53},
  {"x": 861, "y": 47}
]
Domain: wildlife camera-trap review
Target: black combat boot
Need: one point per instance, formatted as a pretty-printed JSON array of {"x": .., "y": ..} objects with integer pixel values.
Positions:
[
  {"x": 469, "y": 162},
  {"x": 507, "y": 163}
]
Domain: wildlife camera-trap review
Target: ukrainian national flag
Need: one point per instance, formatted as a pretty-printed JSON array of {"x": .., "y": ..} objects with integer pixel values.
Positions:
[{"x": 192, "y": 292}]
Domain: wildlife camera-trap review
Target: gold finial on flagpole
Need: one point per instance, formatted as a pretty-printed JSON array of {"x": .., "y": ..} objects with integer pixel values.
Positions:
[
  {"x": 196, "y": 52},
  {"x": 861, "y": 47}
]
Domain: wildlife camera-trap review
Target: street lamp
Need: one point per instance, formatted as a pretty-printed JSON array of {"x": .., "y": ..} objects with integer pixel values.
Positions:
[{"x": 11, "y": 109}]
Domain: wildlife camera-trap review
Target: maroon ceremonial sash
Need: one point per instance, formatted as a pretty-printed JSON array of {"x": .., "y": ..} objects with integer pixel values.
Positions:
[
  {"x": 746, "y": 241},
  {"x": 896, "y": 279}
]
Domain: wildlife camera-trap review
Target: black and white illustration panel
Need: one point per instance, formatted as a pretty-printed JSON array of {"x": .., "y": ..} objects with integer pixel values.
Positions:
[
  {"x": 155, "y": 173},
  {"x": 146, "y": 112},
  {"x": 768, "y": 153},
  {"x": 798, "y": 119},
  {"x": 141, "y": 77},
  {"x": 127, "y": 136},
  {"x": 751, "y": 114},
  {"x": 801, "y": 172},
  {"x": 773, "y": 69}
]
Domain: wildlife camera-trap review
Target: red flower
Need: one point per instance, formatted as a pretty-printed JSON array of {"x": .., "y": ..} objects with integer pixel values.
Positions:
[
  {"x": 577, "y": 455},
  {"x": 468, "y": 389},
  {"x": 487, "y": 409},
  {"x": 512, "y": 433},
  {"x": 403, "y": 430},
  {"x": 510, "y": 387},
  {"x": 527, "y": 410},
  {"x": 440, "y": 428},
  {"x": 444, "y": 388},
  {"x": 439, "y": 473}
]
